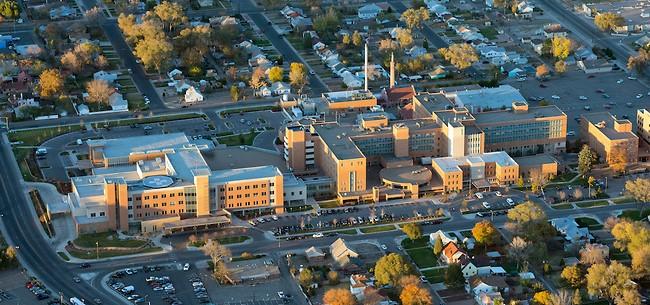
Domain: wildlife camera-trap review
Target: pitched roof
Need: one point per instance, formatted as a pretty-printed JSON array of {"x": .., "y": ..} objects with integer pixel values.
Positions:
[
  {"x": 450, "y": 249},
  {"x": 493, "y": 281},
  {"x": 314, "y": 252}
]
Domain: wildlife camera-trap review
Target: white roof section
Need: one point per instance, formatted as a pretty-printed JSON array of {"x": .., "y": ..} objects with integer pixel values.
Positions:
[
  {"x": 123, "y": 147},
  {"x": 452, "y": 164},
  {"x": 493, "y": 98},
  {"x": 239, "y": 174}
]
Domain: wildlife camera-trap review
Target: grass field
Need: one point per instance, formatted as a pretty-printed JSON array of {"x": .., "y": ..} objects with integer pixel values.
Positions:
[
  {"x": 63, "y": 256},
  {"x": 150, "y": 120},
  {"x": 635, "y": 214},
  {"x": 435, "y": 275},
  {"x": 233, "y": 239},
  {"x": 348, "y": 232},
  {"x": 562, "y": 206},
  {"x": 622, "y": 200},
  {"x": 423, "y": 257},
  {"x": 246, "y": 257},
  {"x": 107, "y": 239},
  {"x": 104, "y": 254},
  {"x": 240, "y": 139},
  {"x": 249, "y": 109},
  {"x": 328, "y": 204},
  {"x": 588, "y": 222},
  {"x": 589, "y": 204},
  {"x": 377, "y": 229},
  {"x": 418, "y": 243},
  {"x": 301, "y": 208}
]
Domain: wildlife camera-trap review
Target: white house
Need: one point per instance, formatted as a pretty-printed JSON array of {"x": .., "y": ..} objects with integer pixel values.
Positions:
[
  {"x": 444, "y": 237},
  {"x": 469, "y": 270},
  {"x": 280, "y": 88},
  {"x": 83, "y": 109},
  {"x": 192, "y": 96},
  {"x": 117, "y": 102},
  {"x": 569, "y": 228},
  {"x": 416, "y": 51},
  {"x": 105, "y": 76},
  {"x": 486, "y": 284},
  {"x": 369, "y": 11},
  {"x": 358, "y": 284},
  {"x": 350, "y": 80},
  {"x": 265, "y": 91},
  {"x": 175, "y": 74}
]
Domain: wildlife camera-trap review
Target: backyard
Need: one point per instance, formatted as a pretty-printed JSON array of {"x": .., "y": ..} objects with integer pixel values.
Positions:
[{"x": 423, "y": 257}]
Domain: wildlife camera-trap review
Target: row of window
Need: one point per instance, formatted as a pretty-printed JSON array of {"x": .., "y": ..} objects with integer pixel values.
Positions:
[
  {"x": 155, "y": 205},
  {"x": 156, "y": 213},
  {"x": 147, "y": 197},
  {"x": 246, "y": 187},
  {"x": 101, "y": 214},
  {"x": 247, "y": 203}
]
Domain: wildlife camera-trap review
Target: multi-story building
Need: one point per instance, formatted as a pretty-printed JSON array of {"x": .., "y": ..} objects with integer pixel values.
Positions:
[
  {"x": 643, "y": 124},
  {"x": 478, "y": 171},
  {"x": 345, "y": 100},
  {"x": 609, "y": 137},
  {"x": 162, "y": 182}
]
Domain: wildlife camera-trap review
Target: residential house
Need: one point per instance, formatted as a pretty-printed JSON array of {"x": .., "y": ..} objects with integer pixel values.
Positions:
[
  {"x": 452, "y": 254},
  {"x": 223, "y": 21},
  {"x": 584, "y": 53},
  {"x": 643, "y": 41},
  {"x": 495, "y": 54},
  {"x": 358, "y": 285},
  {"x": 369, "y": 11},
  {"x": 350, "y": 80},
  {"x": 555, "y": 30},
  {"x": 21, "y": 103},
  {"x": 538, "y": 45},
  {"x": 444, "y": 237},
  {"x": 83, "y": 109},
  {"x": 595, "y": 66},
  {"x": 192, "y": 96},
  {"x": 416, "y": 51},
  {"x": 62, "y": 12},
  {"x": 301, "y": 22},
  {"x": 342, "y": 252},
  {"x": 117, "y": 102},
  {"x": 477, "y": 285},
  {"x": 525, "y": 9},
  {"x": 438, "y": 73},
  {"x": 570, "y": 230},
  {"x": 28, "y": 50},
  {"x": 265, "y": 91},
  {"x": 289, "y": 12},
  {"x": 603, "y": 249},
  {"x": 314, "y": 255},
  {"x": 105, "y": 76},
  {"x": 280, "y": 88},
  {"x": 205, "y": 3}
]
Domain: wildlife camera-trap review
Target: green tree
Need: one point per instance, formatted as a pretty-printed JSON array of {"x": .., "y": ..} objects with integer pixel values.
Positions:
[
  {"x": 357, "y": 40},
  {"x": 572, "y": 275},
  {"x": 298, "y": 75},
  {"x": 235, "y": 93},
  {"x": 543, "y": 298},
  {"x": 461, "y": 55},
  {"x": 128, "y": 26},
  {"x": 415, "y": 295},
  {"x": 561, "y": 47},
  {"x": 9, "y": 9},
  {"x": 155, "y": 51},
  {"x": 404, "y": 37},
  {"x": 276, "y": 74},
  {"x": 485, "y": 233},
  {"x": 454, "y": 276},
  {"x": 327, "y": 23},
  {"x": 412, "y": 230},
  {"x": 333, "y": 277},
  {"x": 306, "y": 277},
  {"x": 414, "y": 17},
  {"x": 390, "y": 268},
  {"x": 193, "y": 44},
  {"x": 257, "y": 79},
  {"x": 586, "y": 160},
  {"x": 437, "y": 246},
  {"x": 529, "y": 220},
  {"x": 50, "y": 83},
  {"x": 171, "y": 14},
  {"x": 608, "y": 21}
]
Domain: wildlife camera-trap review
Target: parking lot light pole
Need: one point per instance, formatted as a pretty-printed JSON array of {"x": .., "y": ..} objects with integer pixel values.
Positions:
[{"x": 97, "y": 249}]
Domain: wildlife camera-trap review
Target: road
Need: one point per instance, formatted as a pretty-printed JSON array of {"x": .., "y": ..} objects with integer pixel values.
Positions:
[
  {"x": 34, "y": 252},
  {"x": 585, "y": 30}
]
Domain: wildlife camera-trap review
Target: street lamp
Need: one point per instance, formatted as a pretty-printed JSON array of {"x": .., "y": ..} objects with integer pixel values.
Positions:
[{"x": 97, "y": 248}]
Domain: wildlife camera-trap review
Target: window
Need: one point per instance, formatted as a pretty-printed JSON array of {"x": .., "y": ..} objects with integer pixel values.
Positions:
[
  {"x": 163, "y": 196},
  {"x": 180, "y": 202},
  {"x": 271, "y": 184},
  {"x": 230, "y": 188},
  {"x": 102, "y": 214},
  {"x": 172, "y": 203},
  {"x": 223, "y": 198},
  {"x": 155, "y": 196},
  {"x": 138, "y": 206},
  {"x": 92, "y": 214},
  {"x": 146, "y": 206},
  {"x": 180, "y": 194},
  {"x": 172, "y": 195},
  {"x": 247, "y": 195},
  {"x": 138, "y": 198},
  {"x": 239, "y": 196},
  {"x": 130, "y": 198},
  {"x": 230, "y": 197},
  {"x": 164, "y": 204},
  {"x": 146, "y": 197},
  {"x": 155, "y": 205},
  {"x": 247, "y": 187}
]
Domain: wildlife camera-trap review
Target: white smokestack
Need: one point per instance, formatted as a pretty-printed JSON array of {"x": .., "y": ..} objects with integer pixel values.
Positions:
[
  {"x": 366, "y": 69},
  {"x": 392, "y": 71}
]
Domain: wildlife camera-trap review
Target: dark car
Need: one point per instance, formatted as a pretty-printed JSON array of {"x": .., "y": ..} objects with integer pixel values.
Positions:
[{"x": 84, "y": 265}]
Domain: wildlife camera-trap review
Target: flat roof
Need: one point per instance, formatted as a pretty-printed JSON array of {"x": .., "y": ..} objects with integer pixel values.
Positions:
[
  {"x": 454, "y": 115},
  {"x": 452, "y": 164},
  {"x": 123, "y": 147},
  {"x": 506, "y": 116},
  {"x": 535, "y": 160},
  {"x": 337, "y": 139},
  {"x": 433, "y": 101},
  {"x": 239, "y": 174},
  {"x": 407, "y": 174},
  {"x": 604, "y": 121},
  {"x": 229, "y": 157},
  {"x": 346, "y": 96},
  {"x": 494, "y": 98}
]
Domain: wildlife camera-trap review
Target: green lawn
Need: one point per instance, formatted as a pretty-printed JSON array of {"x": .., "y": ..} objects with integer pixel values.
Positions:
[
  {"x": 489, "y": 32},
  {"x": 418, "y": 243},
  {"x": 423, "y": 257},
  {"x": 249, "y": 109},
  {"x": 233, "y": 239},
  {"x": 240, "y": 139},
  {"x": 63, "y": 256},
  {"x": 106, "y": 239},
  {"x": 562, "y": 206},
  {"x": 150, "y": 120},
  {"x": 435, "y": 275},
  {"x": 247, "y": 257},
  {"x": 301, "y": 208},
  {"x": 328, "y": 204},
  {"x": 589, "y": 204},
  {"x": 348, "y": 232},
  {"x": 563, "y": 177},
  {"x": 622, "y": 200},
  {"x": 467, "y": 233},
  {"x": 635, "y": 214},
  {"x": 377, "y": 229},
  {"x": 588, "y": 222},
  {"x": 105, "y": 254}
]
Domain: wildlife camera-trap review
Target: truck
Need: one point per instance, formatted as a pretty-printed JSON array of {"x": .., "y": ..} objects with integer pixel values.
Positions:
[{"x": 76, "y": 301}]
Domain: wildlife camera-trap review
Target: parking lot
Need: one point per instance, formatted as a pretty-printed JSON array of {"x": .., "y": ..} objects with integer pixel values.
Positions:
[
  {"x": 243, "y": 122},
  {"x": 489, "y": 202},
  {"x": 166, "y": 284},
  {"x": 610, "y": 91}
]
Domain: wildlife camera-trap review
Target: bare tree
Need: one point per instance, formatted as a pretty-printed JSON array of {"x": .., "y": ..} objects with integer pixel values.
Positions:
[
  {"x": 216, "y": 251},
  {"x": 592, "y": 254},
  {"x": 562, "y": 297},
  {"x": 577, "y": 193},
  {"x": 519, "y": 250},
  {"x": 562, "y": 195}
]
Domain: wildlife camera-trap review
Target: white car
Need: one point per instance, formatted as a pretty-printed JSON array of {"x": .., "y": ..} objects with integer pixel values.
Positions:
[
  {"x": 620, "y": 81},
  {"x": 383, "y": 247},
  {"x": 479, "y": 195},
  {"x": 281, "y": 294},
  {"x": 486, "y": 205},
  {"x": 587, "y": 108},
  {"x": 497, "y": 193},
  {"x": 186, "y": 267},
  {"x": 583, "y": 98},
  {"x": 317, "y": 235},
  {"x": 571, "y": 133},
  {"x": 555, "y": 97},
  {"x": 639, "y": 95},
  {"x": 510, "y": 201},
  {"x": 631, "y": 77},
  {"x": 275, "y": 218}
]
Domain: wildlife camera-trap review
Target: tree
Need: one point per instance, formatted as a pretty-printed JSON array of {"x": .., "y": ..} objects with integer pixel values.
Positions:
[
  {"x": 485, "y": 233},
  {"x": 520, "y": 181},
  {"x": 306, "y": 277},
  {"x": 631, "y": 236},
  {"x": 9, "y": 9},
  {"x": 217, "y": 253},
  {"x": 333, "y": 277},
  {"x": 543, "y": 298},
  {"x": 193, "y": 44},
  {"x": 276, "y": 74},
  {"x": 437, "y": 246},
  {"x": 231, "y": 74},
  {"x": 519, "y": 250},
  {"x": 390, "y": 268},
  {"x": 461, "y": 55},
  {"x": 327, "y": 23},
  {"x": 577, "y": 297},
  {"x": 415, "y": 295},
  {"x": 257, "y": 79},
  {"x": 592, "y": 254},
  {"x": 562, "y": 297},
  {"x": 639, "y": 61},
  {"x": 454, "y": 276},
  {"x": 608, "y": 21},
  {"x": 155, "y": 51},
  {"x": 128, "y": 26},
  {"x": 586, "y": 160},
  {"x": 408, "y": 280},
  {"x": 542, "y": 71},
  {"x": 235, "y": 93},
  {"x": 339, "y": 296},
  {"x": 618, "y": 160},
  {"x": 412, "y": 230},
  {"x": 404, "y": 38},
  {"x": 298, "y": 75},
  {"x": 572, "y": 275},
  {"x": 50, "y": 83},
  {"x": 611, "y": 282},
  {"x": 170, "y": 13},
  {"x": 345, "y": 39},
  {"x": 561, "y": 47},
  {"x": 641, "y": 261},
  {"x": 414, "y": 17},
  {"x": 387, "y": 45},
  {"x": 529, "y": 220},
  {"x": 98, "y": 91},
  {"x": 357, "y": 40},
  {"x": 560, "y": 66}
]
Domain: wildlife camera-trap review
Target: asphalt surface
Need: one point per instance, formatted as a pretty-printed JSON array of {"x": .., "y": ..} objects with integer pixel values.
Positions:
[{"x": 34, "y": 252}]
